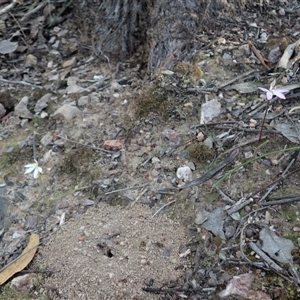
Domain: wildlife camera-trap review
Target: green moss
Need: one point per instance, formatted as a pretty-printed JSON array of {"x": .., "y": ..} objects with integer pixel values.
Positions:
[
  {"x": 6, "y": 293},
  {"x": 188, "y": 72},
  {"x": 293, "y": 236},
  {"x": 211, "y": 197},
  {"x": 39, "y": 121},
  {"x": 75, "y": 161},
  {"x": 16, "y": 157},
  {"x": 288, "y": 213},
  {"x": 198, "y": 152},
  {"x": 84, "y": 164},
  {"x": 152, "y": 100},
  {"x": 38, "y": 94},
  {"x": 7, "y": 100}
]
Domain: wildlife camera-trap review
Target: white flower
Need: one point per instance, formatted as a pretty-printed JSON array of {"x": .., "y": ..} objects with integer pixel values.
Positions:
[
  {"x": 274, "y": 92},
  {"x": 34, "y": 168}
]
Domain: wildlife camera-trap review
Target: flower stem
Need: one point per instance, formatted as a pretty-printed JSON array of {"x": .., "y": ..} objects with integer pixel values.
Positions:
[{"x": 263, "y": 123}]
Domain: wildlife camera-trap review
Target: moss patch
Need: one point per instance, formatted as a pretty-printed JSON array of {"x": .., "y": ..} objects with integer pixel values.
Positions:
[
  {"x": 153, "y": 100},
  {"x": 198, "y": 152}
]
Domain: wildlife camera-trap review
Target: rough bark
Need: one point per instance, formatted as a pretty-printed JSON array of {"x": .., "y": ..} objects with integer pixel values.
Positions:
[{"x": 165, "y": 30}]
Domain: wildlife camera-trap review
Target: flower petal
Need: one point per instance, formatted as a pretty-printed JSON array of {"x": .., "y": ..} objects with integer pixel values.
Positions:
[
  {"x": 269, "y": 95},
  {"x": 30, "y": 166},
  {"x": 263, "y": 89},
  {"x": 279, "y": 95},
  {"x": 40, "y": 169},
  {"x": 36, "y": 173},
  {"x": 29, "y": 170}
]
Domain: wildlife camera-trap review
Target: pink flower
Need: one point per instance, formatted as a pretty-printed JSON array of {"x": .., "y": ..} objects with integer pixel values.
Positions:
[{"x": 274, "y": 92}]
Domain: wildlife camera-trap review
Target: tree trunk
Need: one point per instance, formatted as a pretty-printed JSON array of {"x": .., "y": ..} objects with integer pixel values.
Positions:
[{"x": 165, "y": 31}]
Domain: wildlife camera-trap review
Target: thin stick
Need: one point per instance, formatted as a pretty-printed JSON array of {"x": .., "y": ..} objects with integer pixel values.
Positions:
[
  {"x": 224, "y": 196},
  {"x": 241, "y": 165},
  {"x": 256, "y": 264},
  {"x": 282, "y": 201},
  {"x": 21, "y": 82},
  {"x": 274, "y": 181},
  {"x": 263, "y": 123},
  {"x": 138, "y": 197},
  {"x": 165, "y": 205},
  {"x": 237, "y": 78},
  {"x": 249, "y": 141},
  {"x": 14, "y": 260},
  {"x": 275, "y": 184},
  {"x": 92, "y": 147},
  {"x": 9, "y": 7},
  {"x": 258, "y": 55},
  {"x": 266, "y": 258},
  {"x": 37, "y": 8},
  {"x": 238, "y": 206},
  {"x": 34, "y": 148},
  {"x": 128, "y": 188}
]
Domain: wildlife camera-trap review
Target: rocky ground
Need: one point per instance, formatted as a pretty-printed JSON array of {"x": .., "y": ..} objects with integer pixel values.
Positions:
[{"x": 111, "y": 150}]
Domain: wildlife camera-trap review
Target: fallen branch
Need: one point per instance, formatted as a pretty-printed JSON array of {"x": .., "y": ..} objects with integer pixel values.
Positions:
[
  {"x": 126, "y": 189},
  {"x": 85, "y": 145},
  {"x": 266, "y": 258},
  {"x": 165, "y": 205},
  {"x": 21, "y": 82},
  {"x": 9, "y": 7},
  {"x": 214, "y": 171},
  {"x": 258, "y": 55}
]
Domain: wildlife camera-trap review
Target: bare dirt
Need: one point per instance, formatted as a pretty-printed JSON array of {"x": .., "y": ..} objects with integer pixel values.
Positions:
[
  {"x": 117, "y": 223},
  {"x": 116, "y": 251}
]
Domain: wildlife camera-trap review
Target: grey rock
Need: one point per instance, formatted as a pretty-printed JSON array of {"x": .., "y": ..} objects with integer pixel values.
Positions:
[
  {"x": 68, "y": 112},
  {"x": 10, "y": 149},
  {"x": 31, "y": 222},
  {"x": 4, "y": 220},
  {"x": 88, "y": 202},
  {"x": 2, "y": 111},
  {"x": 212, "y": 282},
  {"x": 46, "y": 139},
  {"x": 42, "y": 103},
  {"x": 31, "y": 60},
  {"x": 2, "y": 189},
  {"x": 22, "y": 144},
  {"x": 23, "y": 283},
  {"x": 24, "y": 123},
  {"x": 21, "y": 109},
  {"x": 84, "y": 100}
]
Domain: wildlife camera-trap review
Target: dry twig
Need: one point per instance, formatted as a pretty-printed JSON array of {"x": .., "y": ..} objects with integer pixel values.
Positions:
[
  {"x": 9, "y": 7},
  {"x": 126, "y": 189},
  {"x": 258, "y": 55}
]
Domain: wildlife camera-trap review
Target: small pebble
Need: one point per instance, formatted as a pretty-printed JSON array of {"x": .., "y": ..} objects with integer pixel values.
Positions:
[
  {"x": 149, "y": 281},
  {"x": 249, "y": 233},
  {"x": 173, "y": 278},
  {"x": 212, "y": 282}
]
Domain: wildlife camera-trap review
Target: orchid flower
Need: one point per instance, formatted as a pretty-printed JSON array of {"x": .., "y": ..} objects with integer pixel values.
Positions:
[
  {"x": 35, "y": 168},
  {"x": 270, "y": 93},
  {"x": 273, "y": 91}
]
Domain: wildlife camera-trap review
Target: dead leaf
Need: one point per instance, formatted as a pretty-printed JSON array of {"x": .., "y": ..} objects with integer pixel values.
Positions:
[
  {"x": 243, "y": 87},
  {"x": 7, "y": 46},
  {"x": 22, "y": 261},
  {"x": 276, "y": 247},
  {"x": 241, "y": 285},
  {"x": 288, "y": 129},
  {"x": 215, "y": 222}
]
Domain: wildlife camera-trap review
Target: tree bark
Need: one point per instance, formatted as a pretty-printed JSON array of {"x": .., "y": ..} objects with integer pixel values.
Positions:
[{"x": 164, "y": 30}]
